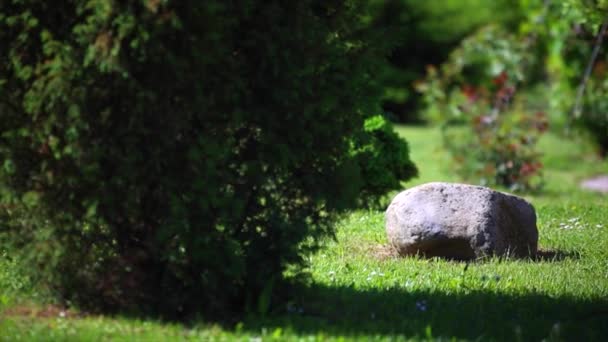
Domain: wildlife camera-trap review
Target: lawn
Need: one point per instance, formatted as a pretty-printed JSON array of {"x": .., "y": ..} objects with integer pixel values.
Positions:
[{"x": 361, "y": 291}]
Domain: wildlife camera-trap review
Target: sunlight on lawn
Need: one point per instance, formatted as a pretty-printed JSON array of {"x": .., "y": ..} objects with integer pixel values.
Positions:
[{"x": 359, "y": 292}]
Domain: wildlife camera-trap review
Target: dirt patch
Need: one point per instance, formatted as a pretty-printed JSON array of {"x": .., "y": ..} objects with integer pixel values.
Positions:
[
  {"x": 598, "y": 184},
  {"x": 48, "y": 311},
  {"x": 384, "y": 252}
]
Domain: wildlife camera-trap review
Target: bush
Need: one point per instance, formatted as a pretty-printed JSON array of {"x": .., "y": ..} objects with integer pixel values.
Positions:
[
  {"x": 571, "y": 35},
  {"x": 490, "y": 133},
  {"x": 383, "y": 159},
  {"x": 177, "y": 156},
  {"x": 594, "y": 118}
]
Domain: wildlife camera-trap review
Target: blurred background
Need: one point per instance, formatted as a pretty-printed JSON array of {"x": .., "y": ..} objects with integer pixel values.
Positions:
[{"x": 495, "y": 76}]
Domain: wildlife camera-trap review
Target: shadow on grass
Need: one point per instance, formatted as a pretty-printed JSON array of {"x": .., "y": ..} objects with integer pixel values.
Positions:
[
  {"x": 548, "y": 255},
  {"x": 386, "y": 251},
  {"x": 351, "y": 312}
]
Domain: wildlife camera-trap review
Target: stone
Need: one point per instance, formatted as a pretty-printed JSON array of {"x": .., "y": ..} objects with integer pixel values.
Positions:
[
  {"x": 460, "y": 221},
  {"x": 599, "y": 184}
]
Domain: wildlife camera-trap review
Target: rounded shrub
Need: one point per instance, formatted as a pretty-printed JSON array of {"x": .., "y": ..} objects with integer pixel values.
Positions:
[
  {"x": 383, "y": 159},
  {"x": 178, "y": 156}
]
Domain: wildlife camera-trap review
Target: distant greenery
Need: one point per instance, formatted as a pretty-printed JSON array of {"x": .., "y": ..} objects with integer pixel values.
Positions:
[
  {"x": 567, "y": 39},
  {"x": 584, "y": 12},
  {"x": 425, "y": 32},
  {"x": 507, "y": 85},
  {"x": 592, "y": 114},
  {"x": 490, "y": 132},
  {"x": 176, "y": 157}
]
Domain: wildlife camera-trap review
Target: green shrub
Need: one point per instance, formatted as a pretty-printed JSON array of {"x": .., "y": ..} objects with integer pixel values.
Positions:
[
  {"x": 12, "y": 281},
  {"x": 177, "y": 156},
  {"x": 383, "y": 158},
  {"x": 592, "y": 115},
  {"x": 570, "y": 35},
  {"x": 490, "y": 133},
  {"x": 594, "y": 118}
]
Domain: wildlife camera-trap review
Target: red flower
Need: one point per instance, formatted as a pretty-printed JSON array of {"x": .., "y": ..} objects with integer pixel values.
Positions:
[
  {"x": 505, "y": 93},
  {"x": 528, "y": 169},
  {"x": 470, "y": 92},
  {"x": 501, "y": 79},
  {"x": 542, "y": 124}
]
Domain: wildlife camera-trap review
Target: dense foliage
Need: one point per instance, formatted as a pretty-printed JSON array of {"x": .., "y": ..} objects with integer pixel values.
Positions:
[
  {"x": 178, "y": 156},
  {"x": 594, "y": 117},
  {"x": 584, "y": 12},
  {"x": 426, "y": 32},
  {"x": 566, "y": 40},
  {"x": 586, "y": 71}
]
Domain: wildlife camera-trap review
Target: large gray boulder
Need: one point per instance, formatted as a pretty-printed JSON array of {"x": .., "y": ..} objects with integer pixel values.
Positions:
[{"x": 460, "y": 221}]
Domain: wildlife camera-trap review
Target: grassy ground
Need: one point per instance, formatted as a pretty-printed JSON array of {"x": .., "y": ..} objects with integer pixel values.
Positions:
[{"x": 362, "y": 292}]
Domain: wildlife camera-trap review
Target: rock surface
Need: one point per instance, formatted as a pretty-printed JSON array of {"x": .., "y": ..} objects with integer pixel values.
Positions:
[{"x": 460, "y": 221}]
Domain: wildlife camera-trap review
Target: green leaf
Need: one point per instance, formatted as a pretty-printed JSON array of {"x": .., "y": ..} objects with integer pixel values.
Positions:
[
  {"x": 92, "y": 210},
  {"x": 9, "y": 166},
  {"x": 31, "y": 198},
  {"x": 374, "y": 123}
]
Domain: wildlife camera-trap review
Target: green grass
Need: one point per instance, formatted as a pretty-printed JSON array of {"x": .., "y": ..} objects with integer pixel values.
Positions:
[
  {"x": 567, "y": 161},
  {"x": 361, "y": 292}
]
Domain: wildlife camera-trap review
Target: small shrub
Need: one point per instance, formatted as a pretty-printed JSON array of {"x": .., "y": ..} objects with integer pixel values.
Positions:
[{"x": 383, "y": 158}]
